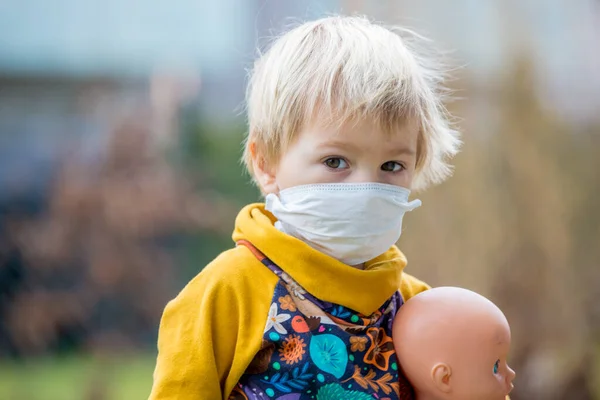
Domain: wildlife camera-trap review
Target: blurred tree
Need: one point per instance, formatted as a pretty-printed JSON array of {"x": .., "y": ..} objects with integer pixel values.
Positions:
[
  {"x": 211, "y": 156},
  {"x": 98, "y": 262},
  {"x": 519, "y": 223}
]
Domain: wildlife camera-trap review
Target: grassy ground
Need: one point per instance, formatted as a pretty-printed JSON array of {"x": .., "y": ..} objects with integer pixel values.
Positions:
[{"x": 77, "y": 378}]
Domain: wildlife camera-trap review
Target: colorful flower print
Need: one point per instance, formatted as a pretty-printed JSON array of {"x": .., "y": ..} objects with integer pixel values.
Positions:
[
  {"x": 274, "y": 320},
  {"x": 293, "y": 286},
  {"x": 335, "y": 391},
  {"x": 340, "y": 312},
  {"x": 289, "y": 381},
  {"x": 381, "y": 348},
  {"x": 287, "y": 303},
  {"x": 314, "y": 349},
  {"x": 329, "y": 354},
  {"x": 357, "y": 343},
  {"x": 292, "y": 349},
  {"x": 299, "y": 324},
  {"x": 386, "y": 383}
]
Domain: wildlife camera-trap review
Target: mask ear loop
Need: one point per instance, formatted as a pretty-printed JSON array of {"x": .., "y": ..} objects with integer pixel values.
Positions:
[
  {"x": 414, "y": 204},
  {"x": 409, "y": 206}
]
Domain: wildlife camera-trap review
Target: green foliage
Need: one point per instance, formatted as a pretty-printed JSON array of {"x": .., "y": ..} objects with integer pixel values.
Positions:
[
  {"x": 215, "y": 152},
  {"x": 77, "y": 378},
  {"x": 210, "y": 155}
]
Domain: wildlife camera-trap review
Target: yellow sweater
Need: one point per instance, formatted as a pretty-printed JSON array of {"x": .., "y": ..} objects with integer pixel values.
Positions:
[{"x": 212, "y": 330}]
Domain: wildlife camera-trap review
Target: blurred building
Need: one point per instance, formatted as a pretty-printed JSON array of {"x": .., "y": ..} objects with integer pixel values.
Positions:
[
  {"x": 216, "y": 39},
  {"x": 70, "y": 68}
]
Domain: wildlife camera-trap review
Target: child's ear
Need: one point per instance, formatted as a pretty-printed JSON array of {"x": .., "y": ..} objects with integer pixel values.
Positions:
[
  {"x": 264, "y": 172},
  {"x": 440, "y": 374}
]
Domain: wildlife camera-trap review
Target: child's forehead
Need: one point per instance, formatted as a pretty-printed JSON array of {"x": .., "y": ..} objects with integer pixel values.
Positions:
[
  {"x": 361, "y": 136},
  {"x": 339, "y": 125}
]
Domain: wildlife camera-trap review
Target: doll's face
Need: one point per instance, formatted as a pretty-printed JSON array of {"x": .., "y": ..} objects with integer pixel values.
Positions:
[
  {"x": 484, "y": 374},
  {"x": 452, "y": 344}
]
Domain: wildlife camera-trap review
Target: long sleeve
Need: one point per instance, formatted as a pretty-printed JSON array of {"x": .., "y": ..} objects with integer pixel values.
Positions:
[{"x": 211, "y": 331}]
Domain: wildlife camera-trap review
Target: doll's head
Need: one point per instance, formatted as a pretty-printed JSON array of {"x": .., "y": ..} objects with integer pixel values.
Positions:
[{"x": 452, "y": 343}]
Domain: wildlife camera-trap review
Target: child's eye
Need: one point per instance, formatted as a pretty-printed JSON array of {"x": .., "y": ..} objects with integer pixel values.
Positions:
[
  {"x": 336, "y": 163},
  {"x": 496, "y": 365},
  {"x": 392, "y": 166}
]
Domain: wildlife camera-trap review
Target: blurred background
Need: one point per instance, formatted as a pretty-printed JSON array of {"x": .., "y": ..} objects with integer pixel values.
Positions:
[{"x": 120, "y": 131}]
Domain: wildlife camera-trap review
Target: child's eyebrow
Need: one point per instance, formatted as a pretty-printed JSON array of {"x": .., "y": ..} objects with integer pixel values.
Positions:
[
  {"x": 337, "y": 144},
  {"x": 401, "y": 150},
  {"x": 334, "y": 140}
]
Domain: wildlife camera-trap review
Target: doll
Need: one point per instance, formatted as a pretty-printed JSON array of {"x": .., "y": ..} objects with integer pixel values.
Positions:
[{"x": 452, "y": 344}]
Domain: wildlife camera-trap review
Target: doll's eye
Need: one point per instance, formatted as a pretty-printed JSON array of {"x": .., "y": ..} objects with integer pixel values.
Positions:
[{"x": 496, "y": 365}]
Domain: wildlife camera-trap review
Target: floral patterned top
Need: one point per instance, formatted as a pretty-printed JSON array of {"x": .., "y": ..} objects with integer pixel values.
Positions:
[{"x": 317, "y": 350}]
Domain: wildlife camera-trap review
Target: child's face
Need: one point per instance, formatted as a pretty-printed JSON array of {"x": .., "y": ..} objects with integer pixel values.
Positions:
[{"x": 354, "y": 153}]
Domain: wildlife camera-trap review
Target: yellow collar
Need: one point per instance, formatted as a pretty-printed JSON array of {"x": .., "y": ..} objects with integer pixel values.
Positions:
[{"x": 321, "y": 275}]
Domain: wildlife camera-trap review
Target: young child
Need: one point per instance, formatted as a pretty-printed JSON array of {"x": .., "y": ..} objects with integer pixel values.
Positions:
[{"x": 344, "y": 119}]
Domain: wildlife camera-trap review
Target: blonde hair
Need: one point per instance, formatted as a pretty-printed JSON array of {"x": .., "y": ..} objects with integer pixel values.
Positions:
[{"x": 348, "y": 68}]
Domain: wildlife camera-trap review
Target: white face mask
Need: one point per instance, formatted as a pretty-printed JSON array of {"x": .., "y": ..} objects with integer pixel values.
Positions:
[{"x": 351, "y": 222}]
